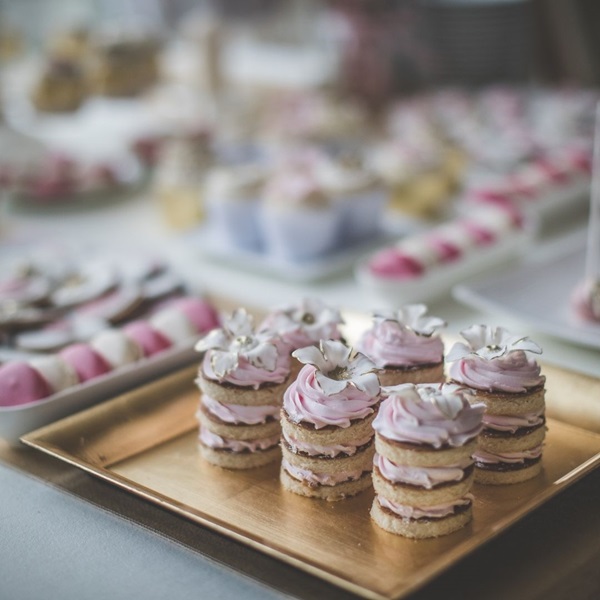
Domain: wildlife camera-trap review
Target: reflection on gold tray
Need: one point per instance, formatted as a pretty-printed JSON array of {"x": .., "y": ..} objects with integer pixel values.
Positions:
[{"x": 145, "y": 442}]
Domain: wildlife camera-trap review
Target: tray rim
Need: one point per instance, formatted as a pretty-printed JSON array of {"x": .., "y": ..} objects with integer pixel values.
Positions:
[{"x": 35, "y": 440}]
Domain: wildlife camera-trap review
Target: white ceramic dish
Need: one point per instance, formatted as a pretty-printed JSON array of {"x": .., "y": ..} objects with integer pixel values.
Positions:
[
  {"x": 18, "y": 420},
  {"x": 439, "y": 279},
  {"x": 539, "y": 294}
]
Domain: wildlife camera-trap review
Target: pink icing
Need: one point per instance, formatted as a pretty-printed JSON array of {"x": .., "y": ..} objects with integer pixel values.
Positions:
[
  {"x": 508, "y": 423},
  {"x": 304, "y": 401},
  {"x": 404, "y": 418},
  {"x": 426, "y": 477},
  {"x": 390, "y": 344},
  {"x": 445, "y": 249},
  {"x": 212, "y": 440},
  {"x": 236, "y": 413},
  {"x": 313, "y": 478},
  {"x": 393, "y": 263},
  {"x": 21, "y": 384},
  {"x": 507, "y": 457},
  {"x": 331, "y": 451},
  {"x": 293, "y": 335},
  {"x": 247, "y": 375},
  {"x": 514, "y": 372},
  {"x": 431, "y": 512}
]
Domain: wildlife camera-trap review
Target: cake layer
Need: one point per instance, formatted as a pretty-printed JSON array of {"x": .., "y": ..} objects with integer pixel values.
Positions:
[
  {"x": 410, "y": 495},
  {"x": 431, "y": 373},
  {"x": 239, "y": 460},
  {"x": 420, "y": 528},
  {"x": 331, "y": 493},
  {"x": 227, "y": 393},
  {"x": 416, "y": 455},
  {"x": 508, "y": 404},
  {"x": 330, "y": 435},
  {"x": 513, "y": 443},
  {"x": 237, "y": 432},
  {"x": 361, "y": 461}
]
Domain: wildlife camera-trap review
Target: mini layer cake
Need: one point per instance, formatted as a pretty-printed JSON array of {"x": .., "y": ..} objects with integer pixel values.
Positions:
[
  {"x": 405, "y": 347},
  {"x": 242, "y": 379},
  {"x": 496, "y": 367},
  {"x": 423, "y": 469},
  {"x": 326, "y": 423},
  {"x": 303, "y": 324}
]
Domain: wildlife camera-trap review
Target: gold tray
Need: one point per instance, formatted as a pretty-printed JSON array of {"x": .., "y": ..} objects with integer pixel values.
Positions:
[{"x": 145, "y": 441}]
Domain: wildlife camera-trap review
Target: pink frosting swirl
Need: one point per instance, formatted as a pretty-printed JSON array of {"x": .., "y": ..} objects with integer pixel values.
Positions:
[
  {"x": 212, "y": 440},
  {"x": 431, "y": 512},
  {"x": 427, "y": 477},
  {"x": 389, "y": 344},
  {"x": 236, "y": 413},
  {"x": 247, "y": 375},
  {"x": 514, "y": 372},
  {"x": 406, "y": 417},
  {"x": 305, "y": 401},
  {"x": 313, "y": 478}
]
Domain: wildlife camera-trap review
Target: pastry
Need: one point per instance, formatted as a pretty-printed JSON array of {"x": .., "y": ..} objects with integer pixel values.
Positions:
[
  {"x": 326, "y": 421},
  {"x": 116, "y": 348},
  {"x": 174, "y": 325},
  {"x": 405, "y": 346},
  {"x": 57, "y": 372},
  {"x": 20, "y": 384},
  {"x": 495, "y": 365},
  {"x": 87, "y": 362},
  {"x": 146, "y": 337},
  {"x": 61, "y": 88},
  {"x": 242, "y": 380},
  {"x": 425, "y": 436}
]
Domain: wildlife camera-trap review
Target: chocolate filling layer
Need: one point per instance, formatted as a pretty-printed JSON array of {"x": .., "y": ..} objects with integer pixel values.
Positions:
[
  {"x": 461, "y": 508},
  {"x": 233, "y": 386},
  {"x": 503, "y": 467},
  {"x": 244, "y": 451},
  {"x": 401, "y": 484},
  {"x": 520, "y": 432},
  {"x": 342, "y": 455}
]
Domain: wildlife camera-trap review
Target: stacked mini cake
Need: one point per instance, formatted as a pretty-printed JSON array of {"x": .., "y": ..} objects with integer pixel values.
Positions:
[
  {"x": 326, "y": 423},
  {"x": 242, "y": 380},
  {"x": 303, "y": 324},
  {"x": 494, "y": 364},
  {"x": 405, "y": 346},
  {"x": 423, "y": 470}
]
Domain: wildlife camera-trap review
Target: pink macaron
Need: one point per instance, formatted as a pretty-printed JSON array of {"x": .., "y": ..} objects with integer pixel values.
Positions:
[
  {"x": 87, "y": 363},
  {"x": 21, "y": 384},
  {"x": 200, "y": 313},
  {"x": 146, "y": 337}
]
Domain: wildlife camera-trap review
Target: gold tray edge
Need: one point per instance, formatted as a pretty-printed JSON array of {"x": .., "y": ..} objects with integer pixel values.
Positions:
[{"x": 174, "y": 506}]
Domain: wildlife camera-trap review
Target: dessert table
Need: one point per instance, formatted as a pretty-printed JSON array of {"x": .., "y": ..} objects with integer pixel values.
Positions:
[{"x": 68, "y": 535}]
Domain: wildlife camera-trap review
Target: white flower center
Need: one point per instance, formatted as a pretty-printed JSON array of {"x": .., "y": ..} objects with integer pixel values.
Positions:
[
  {"x": 493, "y": 347},
  {"x": 308, "y": 318}
]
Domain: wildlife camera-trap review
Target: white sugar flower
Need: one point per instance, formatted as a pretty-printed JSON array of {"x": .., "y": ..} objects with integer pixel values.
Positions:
[
  {"x": 338, "y": 366},
  {"x": 311, "y": 315},
  {"x": 489, "y": 343},
  {"x": 412, "y": 316},
  {"x": 237, "y": 338}
]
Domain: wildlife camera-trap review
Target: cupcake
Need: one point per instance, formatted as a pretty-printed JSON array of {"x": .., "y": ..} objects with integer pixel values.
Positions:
[
  {"x": 405, "y": 346},
  {"x": 425, "y": 436},
  {"x": 495, "y": 365},
  {"x": 242, "y": 379},
  {"x": 359, "y": 194},
  {"x": 232, "y": 198},
  {"x": 326, "y": 422},
  {"x": 300, "y": 221},
  {"x": 303, "y": 324}
]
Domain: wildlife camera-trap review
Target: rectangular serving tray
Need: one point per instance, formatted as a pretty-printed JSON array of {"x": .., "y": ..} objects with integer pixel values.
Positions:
[{"x": 145, "y": 441}]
